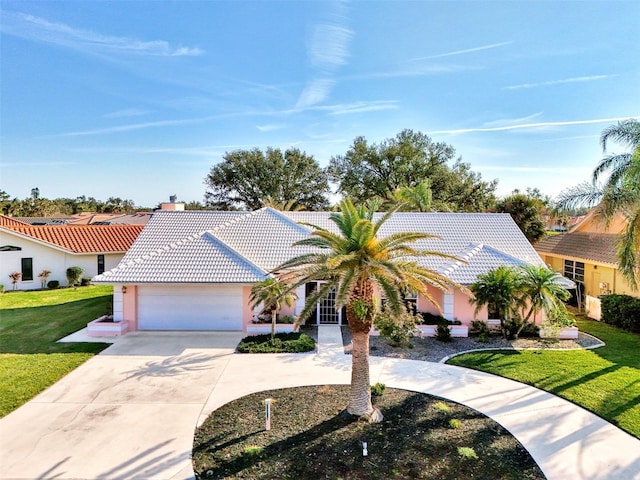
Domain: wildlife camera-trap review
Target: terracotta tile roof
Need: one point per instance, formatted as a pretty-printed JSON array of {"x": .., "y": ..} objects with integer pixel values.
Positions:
[
  {"x": 10, "y": 221},
  {"x": 597, "y": 247},
  {"x": 83, "y": 238}
]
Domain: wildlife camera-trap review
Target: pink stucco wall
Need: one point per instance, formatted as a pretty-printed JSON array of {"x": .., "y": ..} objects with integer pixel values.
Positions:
[{"x": 130, "y": 306}]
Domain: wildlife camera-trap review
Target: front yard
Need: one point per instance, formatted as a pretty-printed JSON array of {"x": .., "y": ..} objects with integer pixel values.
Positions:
[
  {"x": 605, "y": 381},
  {"x": 30, "y": 324}
]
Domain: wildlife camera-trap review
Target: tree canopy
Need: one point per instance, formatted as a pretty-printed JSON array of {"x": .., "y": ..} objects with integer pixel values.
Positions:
[
  {"x": 527, "y": 211},
  {"x": 246, "y": 179},
  {"x": 367, "y": 171},
  {"x": 38, "y": 206}
]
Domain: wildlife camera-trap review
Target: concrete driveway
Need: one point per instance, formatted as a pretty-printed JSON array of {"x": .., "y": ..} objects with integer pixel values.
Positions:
[
  {"x": 127, "y": 413},
  {"x": 130, "y": 412}
]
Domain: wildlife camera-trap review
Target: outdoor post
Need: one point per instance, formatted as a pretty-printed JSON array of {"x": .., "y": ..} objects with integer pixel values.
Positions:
[{"x": 267, "y": 413}]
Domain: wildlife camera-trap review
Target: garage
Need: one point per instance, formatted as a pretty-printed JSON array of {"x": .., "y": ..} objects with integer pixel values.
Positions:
[{"x": 190, "y": 307}]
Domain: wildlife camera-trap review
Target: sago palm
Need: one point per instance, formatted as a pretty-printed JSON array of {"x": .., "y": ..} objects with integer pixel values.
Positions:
[
  {"x": 497, "y": 290},
  {"x": 271, "y": 293},
  {"x": 357, "y": 264},
  {"x": 541, "y": 290}
]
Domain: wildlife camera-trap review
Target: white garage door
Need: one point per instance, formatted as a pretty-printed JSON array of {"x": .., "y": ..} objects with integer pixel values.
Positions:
[{"x": 190, "y": 308}]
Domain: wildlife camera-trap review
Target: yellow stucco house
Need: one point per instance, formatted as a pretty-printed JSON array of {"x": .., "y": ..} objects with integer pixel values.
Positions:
[{"x": 587, "y": 255}]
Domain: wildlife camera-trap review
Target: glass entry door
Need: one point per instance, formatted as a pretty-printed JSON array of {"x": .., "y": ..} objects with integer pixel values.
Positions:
[{"x": 327, "y": 314}]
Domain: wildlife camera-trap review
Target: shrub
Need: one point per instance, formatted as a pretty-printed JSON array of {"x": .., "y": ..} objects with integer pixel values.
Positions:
[
  {"x": 15, "y": 278},
  {"x": 431, "y": 319},
  {"x": 399, "y": 329},
  {"x": 455, "y": 423},
  {"x": 1, "y": 288},
  {"x": 53, "y": 284},
  {"x": 294, "y": 342},
  {"x": 74, "y": 274},
  {"x": 285, "y": 319},
  {"x": 467, "y": 452},
  {"x": 43, "y": 275},
  {"x": 511, "y": 328},
  {"x": 443, "y": 333},
  {"x": 621, "y": 311},
  {"x": 478, "y": 327},
  {"x": 378, "y": 389},
  {"x": 85, "y": 282}
]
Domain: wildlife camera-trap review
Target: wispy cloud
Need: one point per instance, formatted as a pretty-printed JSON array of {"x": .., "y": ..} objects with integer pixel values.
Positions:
[
  {"x": 415, "y": 71},
  {"x": 127, "y": 112},
  {"x": 360, "y": 107},
  {"x": 41, "y": 30},
  {"x": 316, "y": 91},
  {"x": 333, "y": 109},
  {"x": 512, "y": 121},
  {"x": 328, "y": 50},
  {"x": 329, "y": 46},
  {"x": 591, "y": 78},
  {"x": 271, "y": 127},
  {"x": 530, "y": 126},
  {"x": 466, "y": 50}
]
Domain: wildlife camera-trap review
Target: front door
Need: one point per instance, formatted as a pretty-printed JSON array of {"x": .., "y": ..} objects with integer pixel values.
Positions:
[{"x": 327, "y": 314}]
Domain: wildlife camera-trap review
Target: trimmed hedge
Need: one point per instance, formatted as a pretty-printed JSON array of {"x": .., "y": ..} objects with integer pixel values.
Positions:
[
  {"x": 294, "y": 342},
  {"x": 621, "y": 311}
]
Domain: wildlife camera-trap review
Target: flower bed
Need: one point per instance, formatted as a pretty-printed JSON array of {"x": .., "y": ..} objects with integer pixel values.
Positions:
[
  {"x": 562, "y": 333},
  {"x": 263, "y": 328},
  {"x": 106, "y": 327}
]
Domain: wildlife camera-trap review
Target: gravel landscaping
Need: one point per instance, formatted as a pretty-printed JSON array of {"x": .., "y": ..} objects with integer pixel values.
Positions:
[{"x": 431, "y": 350}]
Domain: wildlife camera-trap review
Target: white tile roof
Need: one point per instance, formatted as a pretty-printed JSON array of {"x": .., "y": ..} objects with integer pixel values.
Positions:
[{"x": 241, "y": 247}]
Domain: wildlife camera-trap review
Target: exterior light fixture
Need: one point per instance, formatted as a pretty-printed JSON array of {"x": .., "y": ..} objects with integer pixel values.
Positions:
[{"x": 124, "y": 289}]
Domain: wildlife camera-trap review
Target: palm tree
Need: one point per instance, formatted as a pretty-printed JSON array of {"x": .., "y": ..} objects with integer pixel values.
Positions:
[
  {"x": 355, "y": 262},
  {"x": 498, "y": 290},
  {"x": 271, "y": 293},
  {"x": 620, "y": 193},
  {"x": 540, "y": 289},
  {"x": 414, "y": 199}
]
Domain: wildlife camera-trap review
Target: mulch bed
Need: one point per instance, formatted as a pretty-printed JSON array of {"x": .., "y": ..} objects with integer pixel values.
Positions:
[{"x": 312, "y": 439}]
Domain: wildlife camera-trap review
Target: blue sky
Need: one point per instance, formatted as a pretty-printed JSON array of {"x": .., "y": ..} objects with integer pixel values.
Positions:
[{"x": 139, "y": 99}]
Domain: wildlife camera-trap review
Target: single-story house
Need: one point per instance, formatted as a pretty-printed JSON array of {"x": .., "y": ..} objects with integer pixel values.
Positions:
[
  {"x": 587, "y": 254},
  {"x": 193, "y": 270},
  {"x": 30, "y": 249}
]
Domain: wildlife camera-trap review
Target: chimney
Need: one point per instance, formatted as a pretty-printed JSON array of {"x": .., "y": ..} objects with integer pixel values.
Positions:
[{"x": 173, "y": 204}]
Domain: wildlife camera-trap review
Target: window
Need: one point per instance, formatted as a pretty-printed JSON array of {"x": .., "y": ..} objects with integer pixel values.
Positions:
[
  {"x": 27, "y": 269},
  {"x": 100, "y": 264},
  {"x": 574, "y": 270},
  {"x": 410, "y": 299}
]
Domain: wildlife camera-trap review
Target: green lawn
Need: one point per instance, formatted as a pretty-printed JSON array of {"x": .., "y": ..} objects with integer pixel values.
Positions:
[
  {"x": 30, "y": 324},
  {"x": 605, "y": 381}
]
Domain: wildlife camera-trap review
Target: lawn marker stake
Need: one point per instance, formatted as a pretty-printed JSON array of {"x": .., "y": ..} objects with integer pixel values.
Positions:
[
  {"x": 267, "y": 413},
  {"x": 365, "y": 452}
]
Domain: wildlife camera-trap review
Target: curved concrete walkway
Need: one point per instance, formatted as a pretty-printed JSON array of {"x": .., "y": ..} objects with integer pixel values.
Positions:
[{"x": 130, "y": 412}]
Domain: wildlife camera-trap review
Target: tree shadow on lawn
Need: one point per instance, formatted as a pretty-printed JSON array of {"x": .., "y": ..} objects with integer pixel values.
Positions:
[{"x": 312, "y": 439}]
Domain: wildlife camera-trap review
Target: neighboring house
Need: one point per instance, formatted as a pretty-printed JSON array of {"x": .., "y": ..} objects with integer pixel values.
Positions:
[
  {"x": 193, "y": 270},
  {"x": 31, "y": 249},
  {"x": 59, "y": 220},
  {"x": 140, "y": 218},
  {"x": 587, "y": 255}
]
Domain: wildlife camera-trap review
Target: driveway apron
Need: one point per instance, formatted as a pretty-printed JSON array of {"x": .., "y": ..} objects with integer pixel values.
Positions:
[{"x": 128, "y": 413}]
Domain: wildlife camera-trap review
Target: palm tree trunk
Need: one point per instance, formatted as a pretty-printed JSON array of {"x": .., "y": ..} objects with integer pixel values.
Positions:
[
  {"x": 360, "y": 394},
  {"x": 360, "y": 322},
  {"x": 273, "y": 323}
]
